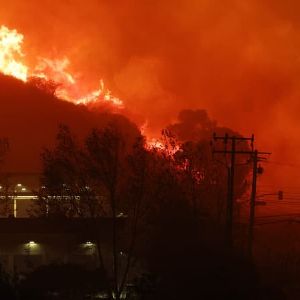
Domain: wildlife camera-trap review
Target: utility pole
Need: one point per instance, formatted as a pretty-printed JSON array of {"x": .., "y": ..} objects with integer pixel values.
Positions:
[
  {"x": 255, "y": 171},
  {"x": 252, "y": 204},
  {"x": 231, "y": 172},
  {"x": 231, "y": 193}
]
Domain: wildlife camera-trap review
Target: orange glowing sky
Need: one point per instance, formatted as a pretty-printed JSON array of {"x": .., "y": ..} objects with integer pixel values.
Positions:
[{"x": 239, "y": 60}]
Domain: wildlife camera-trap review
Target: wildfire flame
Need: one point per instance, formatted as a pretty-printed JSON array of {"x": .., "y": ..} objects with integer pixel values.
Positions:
[
  {"x": 12, "y": 62},
  {"x": 10, "y": 52},
  {"x": 68, "y": 88}
]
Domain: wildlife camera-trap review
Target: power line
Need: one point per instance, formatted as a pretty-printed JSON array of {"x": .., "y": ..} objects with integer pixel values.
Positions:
[
  {"x": 231, "y": 170},
  {"x": 285, "y": 164}
]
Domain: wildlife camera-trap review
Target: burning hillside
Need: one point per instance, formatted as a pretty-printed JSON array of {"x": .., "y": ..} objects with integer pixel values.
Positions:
[
  {"x": 67, "y": 86},
  {"x": 29, "y": 118}
]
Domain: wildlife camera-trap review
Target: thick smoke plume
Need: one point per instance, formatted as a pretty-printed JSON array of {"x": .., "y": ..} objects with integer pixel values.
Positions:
[{"x": 237, "y": 59}]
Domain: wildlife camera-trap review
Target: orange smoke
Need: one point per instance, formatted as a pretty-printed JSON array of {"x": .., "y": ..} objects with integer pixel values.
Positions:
[{"x": 239, "y": 60}]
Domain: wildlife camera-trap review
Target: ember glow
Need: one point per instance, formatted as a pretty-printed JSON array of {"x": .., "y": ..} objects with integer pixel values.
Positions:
[
  {"x": 153, "y": 143},
  {"x": 55, "y": 70}
]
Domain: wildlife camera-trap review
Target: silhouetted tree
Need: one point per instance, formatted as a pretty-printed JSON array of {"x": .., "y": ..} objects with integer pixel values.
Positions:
[
  {"x": 47, "y": 86},
  {"x": 164, "y": 194},
  {"x": 97, "y": 178},
  {"x": 66, "y": 189},
  {"x": 204, "y": 174}
]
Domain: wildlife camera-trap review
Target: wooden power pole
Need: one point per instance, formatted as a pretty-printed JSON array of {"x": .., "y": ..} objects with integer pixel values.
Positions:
[
  {"x": 230, "y": 189},
  {"x": 231, "y": 173},
  {"x": 255, "y": 171}
]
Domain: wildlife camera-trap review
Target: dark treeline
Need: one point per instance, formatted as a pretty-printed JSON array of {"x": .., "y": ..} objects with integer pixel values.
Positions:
[{"x": 173, "y": 201}]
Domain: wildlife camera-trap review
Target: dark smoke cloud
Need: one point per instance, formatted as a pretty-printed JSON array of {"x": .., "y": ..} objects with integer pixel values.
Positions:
[
  {"x": 196, "y": 125},
  {"x": 237, "y": 59}
]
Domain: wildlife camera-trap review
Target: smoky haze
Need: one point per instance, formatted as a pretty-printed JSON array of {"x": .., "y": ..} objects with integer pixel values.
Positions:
[{"x": 239, "y": 60}]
